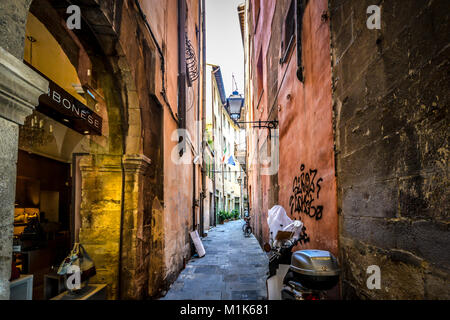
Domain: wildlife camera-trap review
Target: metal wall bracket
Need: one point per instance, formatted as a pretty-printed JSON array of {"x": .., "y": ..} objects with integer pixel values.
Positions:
[{"x": 269, "y": 124}]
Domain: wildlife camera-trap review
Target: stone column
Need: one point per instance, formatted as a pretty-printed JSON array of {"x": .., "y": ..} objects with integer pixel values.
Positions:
[
  {"x": 100, "y": 213},
  {"x": 135, "y": 235},
  {"x": 20, "y": 88}
]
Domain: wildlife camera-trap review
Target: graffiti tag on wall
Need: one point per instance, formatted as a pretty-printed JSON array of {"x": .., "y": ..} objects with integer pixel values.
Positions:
[
  {"x": 303, "y": 238},
  {"x": 305, "y": 190}
]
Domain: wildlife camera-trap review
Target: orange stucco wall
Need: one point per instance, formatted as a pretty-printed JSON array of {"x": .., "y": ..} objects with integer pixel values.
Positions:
[
  {"x": 304, "y": 112},
  {"x": 306, "y": 133}
]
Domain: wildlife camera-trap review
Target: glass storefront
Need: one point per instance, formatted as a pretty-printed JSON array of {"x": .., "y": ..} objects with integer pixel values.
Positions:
[{"x": 48, "y": 185}]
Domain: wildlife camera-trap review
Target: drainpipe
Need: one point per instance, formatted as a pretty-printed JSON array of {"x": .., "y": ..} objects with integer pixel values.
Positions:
[
  {"x": 203, "y": 37},
  {"x": 222, "y": 166},
  {"x": 200, "y": 132},
  {"x": 122, "y": 216},
  {"x": 182, "y": 63},
  {"x": 214, "y": 190},
  {"x": 214, "y": 151},
  {"x": 182, "y": 87},
  {"x": 193, "y": 196}
]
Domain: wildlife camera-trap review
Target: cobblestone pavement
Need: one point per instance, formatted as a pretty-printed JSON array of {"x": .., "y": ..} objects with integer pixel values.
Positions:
[{"x": 234, "y": 268}]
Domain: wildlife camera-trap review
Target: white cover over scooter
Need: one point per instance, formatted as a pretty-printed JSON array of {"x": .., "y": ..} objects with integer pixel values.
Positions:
[{"x": 277, "y": 220}]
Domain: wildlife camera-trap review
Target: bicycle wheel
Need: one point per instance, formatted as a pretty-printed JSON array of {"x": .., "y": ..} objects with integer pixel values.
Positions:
[{"x": 248, "y": 231}]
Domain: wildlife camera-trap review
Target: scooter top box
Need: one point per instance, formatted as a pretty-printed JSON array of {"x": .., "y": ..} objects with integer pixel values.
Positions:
[
  {"x": 315, "y": 269},
  {"x": 314, "y": 263}
]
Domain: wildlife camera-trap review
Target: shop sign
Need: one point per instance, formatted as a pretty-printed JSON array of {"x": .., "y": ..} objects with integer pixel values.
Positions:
[{"x": 61, "y": 106}]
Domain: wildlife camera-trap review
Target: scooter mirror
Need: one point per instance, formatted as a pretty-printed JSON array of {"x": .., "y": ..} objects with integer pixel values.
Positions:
[{"x": 267, "y": 247}]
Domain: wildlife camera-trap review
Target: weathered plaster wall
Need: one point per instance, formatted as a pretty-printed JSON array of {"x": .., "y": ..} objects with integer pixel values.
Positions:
[
  {"x": 176, "y": 217},
  {"x": 304, "y": 111},
  {"x": 306, "y": 176},
  {"x": 391, "y": 113},
  {"x": 264, "y": 41}
]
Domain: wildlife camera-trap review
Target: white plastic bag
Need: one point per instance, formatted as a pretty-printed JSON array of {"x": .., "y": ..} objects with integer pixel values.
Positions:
[{"x": 277, "y": 220}]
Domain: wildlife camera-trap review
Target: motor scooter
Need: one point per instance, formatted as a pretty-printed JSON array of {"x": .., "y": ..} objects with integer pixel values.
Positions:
[{"x": 299, "y": 275}]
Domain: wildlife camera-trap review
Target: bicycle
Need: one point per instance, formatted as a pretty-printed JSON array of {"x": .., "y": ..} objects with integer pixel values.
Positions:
[{"x": 246, "y": 228}]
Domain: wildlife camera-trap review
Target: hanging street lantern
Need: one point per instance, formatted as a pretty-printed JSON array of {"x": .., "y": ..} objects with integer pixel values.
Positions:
[{"x": 234, "y": 105}]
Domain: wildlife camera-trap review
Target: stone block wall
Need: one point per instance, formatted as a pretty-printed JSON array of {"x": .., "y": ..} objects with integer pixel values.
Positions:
[
  {"x": 391, "y": 119},
  {"x": 13, "y": 17},
  {"x": 9, "y": 133},
  {"x": 101, "y": 216}
]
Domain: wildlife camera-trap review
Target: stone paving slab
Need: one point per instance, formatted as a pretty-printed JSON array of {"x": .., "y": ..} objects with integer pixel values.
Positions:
[{"x": 234, "y": 267}]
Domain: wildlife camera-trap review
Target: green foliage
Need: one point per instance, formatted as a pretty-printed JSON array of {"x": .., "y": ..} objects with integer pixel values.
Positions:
[
  {"x": 222, "y": 216},
  {"x": 225, "y": 215}
]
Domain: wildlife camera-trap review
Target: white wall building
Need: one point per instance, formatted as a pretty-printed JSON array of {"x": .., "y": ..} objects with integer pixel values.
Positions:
[{"x": 226, "y": 139}]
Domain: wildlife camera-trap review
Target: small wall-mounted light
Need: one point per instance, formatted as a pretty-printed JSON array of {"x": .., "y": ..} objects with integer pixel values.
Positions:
[{"x": 78, "y": 88}]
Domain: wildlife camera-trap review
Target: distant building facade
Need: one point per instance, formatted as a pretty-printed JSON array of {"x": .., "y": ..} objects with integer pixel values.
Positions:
[{"x": 226, "y": 139}]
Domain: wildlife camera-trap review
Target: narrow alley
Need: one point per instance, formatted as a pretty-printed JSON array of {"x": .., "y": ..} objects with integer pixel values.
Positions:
[
  {"x": 234, "y": 267},
  {"x": 130, "y": 127}
]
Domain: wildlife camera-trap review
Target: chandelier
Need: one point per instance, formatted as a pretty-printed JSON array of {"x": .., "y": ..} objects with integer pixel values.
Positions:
[{"x": 33, "y": 133}]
